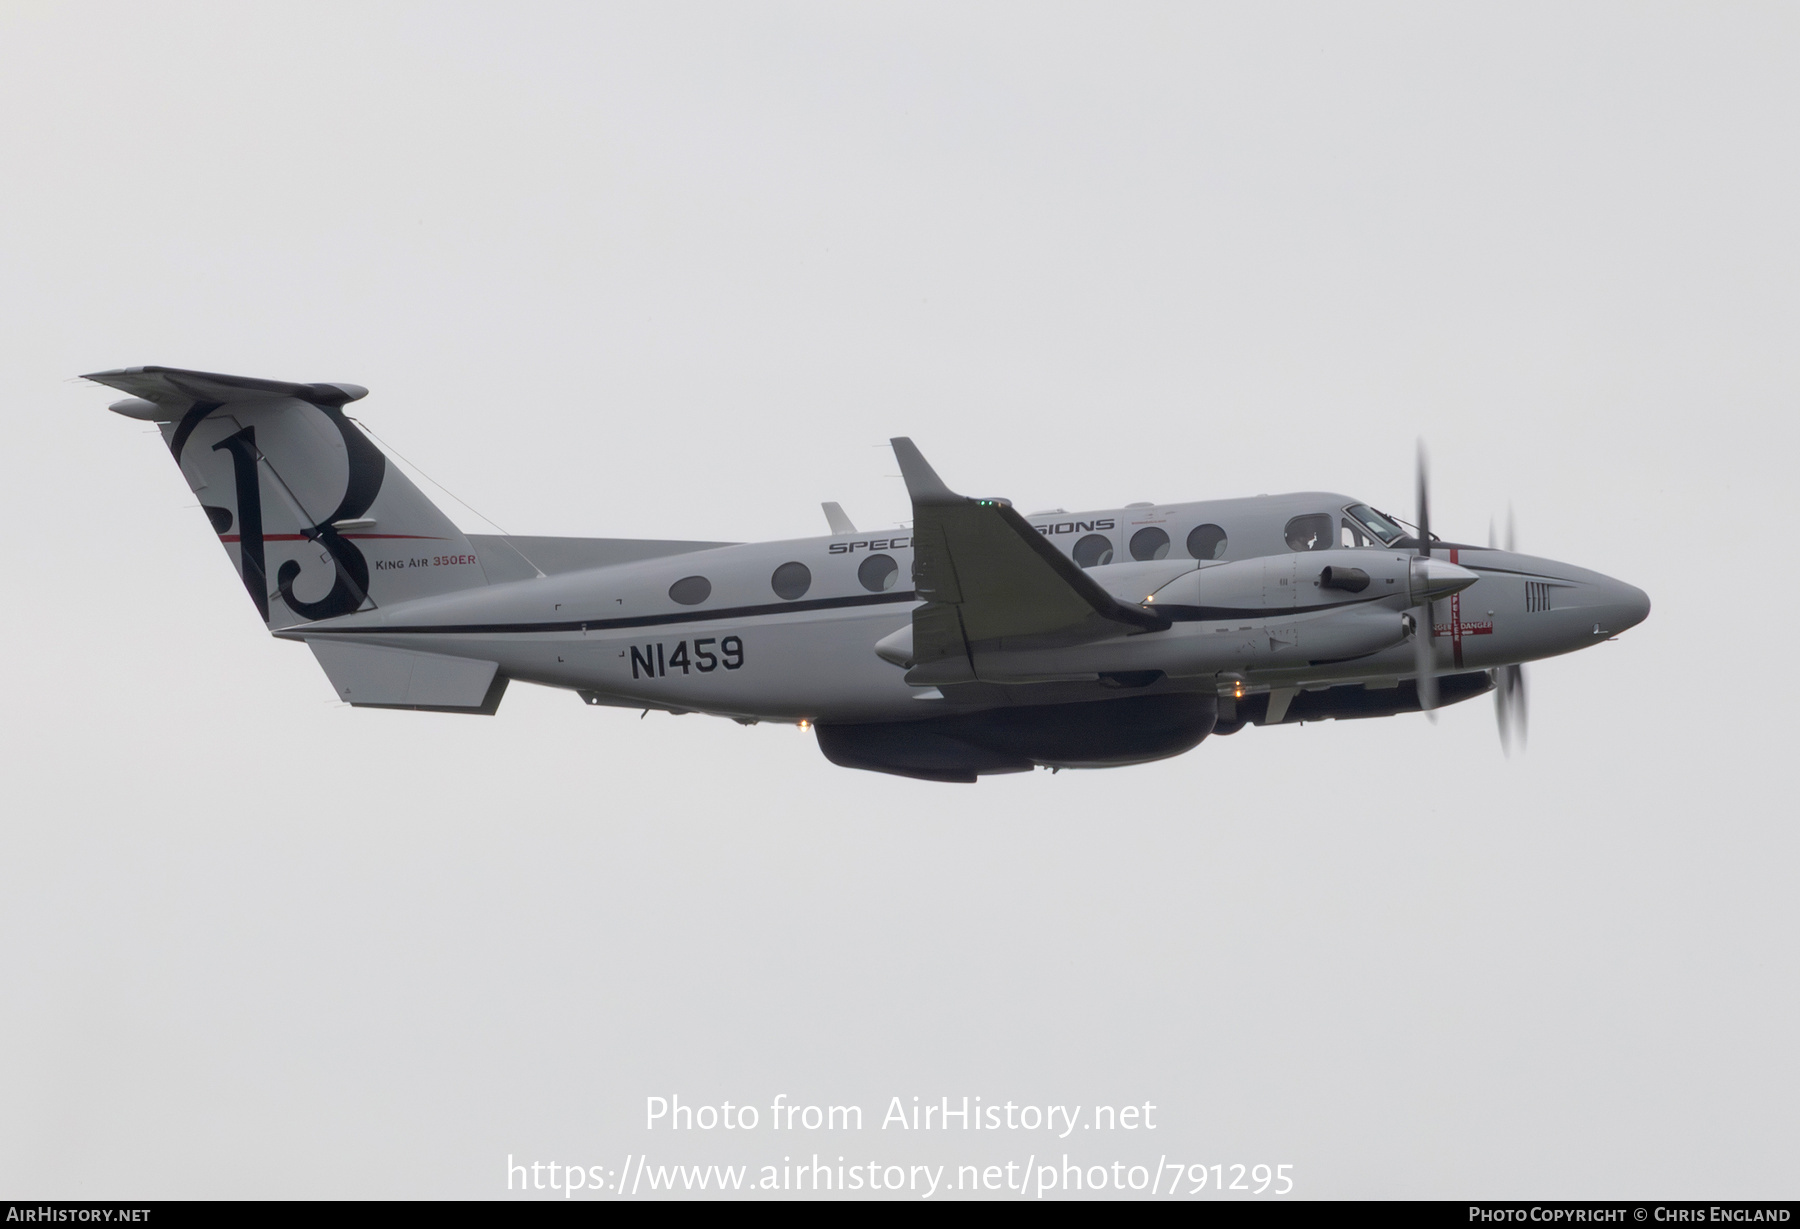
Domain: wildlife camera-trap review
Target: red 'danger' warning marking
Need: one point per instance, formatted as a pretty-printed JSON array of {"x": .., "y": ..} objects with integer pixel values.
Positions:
[{"x": 1456, "y": 629}]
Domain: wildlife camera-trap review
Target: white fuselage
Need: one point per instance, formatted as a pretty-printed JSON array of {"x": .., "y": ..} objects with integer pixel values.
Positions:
[{"x": 734, "y": 630}]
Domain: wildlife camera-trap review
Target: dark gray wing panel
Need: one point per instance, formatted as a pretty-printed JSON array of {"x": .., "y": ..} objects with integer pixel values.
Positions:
[{"x": 990, "y": 580}]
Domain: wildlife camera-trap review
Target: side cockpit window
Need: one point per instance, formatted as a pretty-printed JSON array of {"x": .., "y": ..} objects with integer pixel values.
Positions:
[
  {"x": 1378, "y": 526},
  {"x": 1315, "y": 531}
]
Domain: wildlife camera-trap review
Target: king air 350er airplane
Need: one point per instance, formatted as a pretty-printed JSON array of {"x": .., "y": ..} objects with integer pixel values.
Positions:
[{"x": 979, "y": 641}]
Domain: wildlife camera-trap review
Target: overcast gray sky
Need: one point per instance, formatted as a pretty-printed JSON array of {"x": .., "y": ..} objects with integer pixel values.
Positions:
[{"x": 679, "y": 270}]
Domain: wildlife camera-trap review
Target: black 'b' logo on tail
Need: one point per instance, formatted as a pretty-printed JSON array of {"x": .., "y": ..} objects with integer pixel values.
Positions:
[{"x": 367, "y": 469}]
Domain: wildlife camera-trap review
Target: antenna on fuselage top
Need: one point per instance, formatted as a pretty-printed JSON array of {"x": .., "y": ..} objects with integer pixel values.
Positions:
[{"x": 834, "y": 516}]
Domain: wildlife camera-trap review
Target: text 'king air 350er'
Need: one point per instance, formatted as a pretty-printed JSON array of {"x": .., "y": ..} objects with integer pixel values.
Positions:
[{"x": 977, "y": 641}]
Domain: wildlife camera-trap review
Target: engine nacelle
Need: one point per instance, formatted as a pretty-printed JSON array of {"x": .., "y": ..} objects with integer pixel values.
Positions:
[
  {"x": 1304, "y": 578},
  {"x": 1339, "y": 635},
  {"x": 1269, "y": 613}
]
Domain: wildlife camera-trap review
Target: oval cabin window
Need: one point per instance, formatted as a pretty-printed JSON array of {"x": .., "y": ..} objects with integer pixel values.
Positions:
[
  {"x": 690, "y": 590},
  {"x": 1206, "y": 542},
  {"x": 877, "y": 573},
  {"x": 1148, "y": 544},
  {"x": 1093, "y": 551},
  {"x": 791, "y": 580}
]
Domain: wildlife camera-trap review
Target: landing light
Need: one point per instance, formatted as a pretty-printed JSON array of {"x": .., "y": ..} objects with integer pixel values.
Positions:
[{"x": 805, "y": 724}]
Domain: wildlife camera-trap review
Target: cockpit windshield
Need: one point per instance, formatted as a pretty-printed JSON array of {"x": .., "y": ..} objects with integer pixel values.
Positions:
[{"x": 1378, "y": 525}]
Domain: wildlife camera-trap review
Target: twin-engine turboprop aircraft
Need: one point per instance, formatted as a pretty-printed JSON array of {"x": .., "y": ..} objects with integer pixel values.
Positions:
[{"x": 978, "y": 641}]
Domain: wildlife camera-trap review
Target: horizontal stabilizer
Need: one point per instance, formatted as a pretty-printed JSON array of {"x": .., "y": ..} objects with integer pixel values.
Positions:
[
  {"x": 175, "y": 388},
  {"x": 371, "y": 677}
]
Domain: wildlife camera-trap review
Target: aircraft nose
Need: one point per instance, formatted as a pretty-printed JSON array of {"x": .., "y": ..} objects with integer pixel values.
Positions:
[
  {"x": 1615, "y": 605},
  {"x": 1630, "y": 604}
]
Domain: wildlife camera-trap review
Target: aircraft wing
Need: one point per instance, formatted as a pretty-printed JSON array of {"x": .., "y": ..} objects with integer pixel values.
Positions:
[{"x": 991, "y": 582}]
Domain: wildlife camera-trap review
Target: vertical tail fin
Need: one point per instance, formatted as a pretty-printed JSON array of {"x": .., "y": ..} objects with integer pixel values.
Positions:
[{"x": 312, "y": 516}]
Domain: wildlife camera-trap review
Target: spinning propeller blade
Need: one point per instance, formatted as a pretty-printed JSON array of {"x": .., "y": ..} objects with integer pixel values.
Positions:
[
  {"x": 1422, "y": 633},
  {"x": 1511, "y": 712}
]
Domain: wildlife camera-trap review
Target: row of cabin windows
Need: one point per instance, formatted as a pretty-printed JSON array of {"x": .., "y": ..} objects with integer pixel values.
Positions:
[
  {"x": 1148, "y": 544},
  {"x": 1206, "y": 542},
  {"x": 877, "y": 573},
  {"x": 790, "y": 581}
]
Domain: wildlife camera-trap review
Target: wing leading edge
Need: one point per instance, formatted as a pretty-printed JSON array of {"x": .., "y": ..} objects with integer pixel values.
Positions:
[{"x": 991, "y": 582}]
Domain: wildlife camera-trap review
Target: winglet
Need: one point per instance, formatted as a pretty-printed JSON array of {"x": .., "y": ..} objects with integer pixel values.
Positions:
[{"x": 922, "y": 482}]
